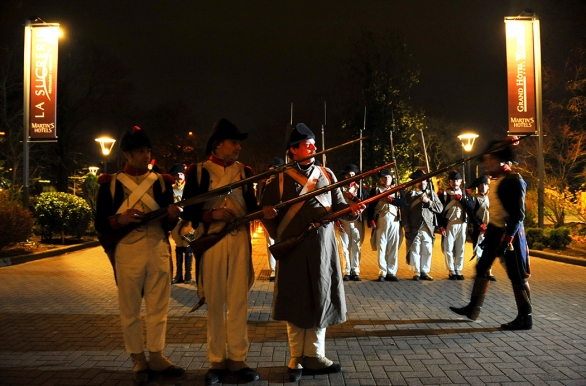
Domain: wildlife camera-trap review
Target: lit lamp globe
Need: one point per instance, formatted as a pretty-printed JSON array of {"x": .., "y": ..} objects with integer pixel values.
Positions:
[{"x": 106, "y": 143}]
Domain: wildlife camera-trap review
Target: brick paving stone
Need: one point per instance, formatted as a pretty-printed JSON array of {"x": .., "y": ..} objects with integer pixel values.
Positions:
[{"x": 59, "y": 325}]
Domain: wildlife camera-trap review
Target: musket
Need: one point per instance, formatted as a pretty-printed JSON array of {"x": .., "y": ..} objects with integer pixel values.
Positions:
[
  {"x": 427, "y": 162},
  {"x": 282, "y": 248},
  {"x": 288, "y": 132},
  {"x": 203, "y": 243},
  {"x": 360, "y": 166},
  {"x": 323, "y": 140},
  {"x": 398, "y": 181},
  {"x": 110, "y": 240}
]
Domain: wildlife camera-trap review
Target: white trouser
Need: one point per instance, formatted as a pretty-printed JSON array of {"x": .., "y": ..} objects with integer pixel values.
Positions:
[
  {"x": 225, "y": 269},
  {"x": 388, "y": 233},
  {"x": 351, "y": 236},
  {"x": 271, "y": 258},
  {"x": 309, "y": 342},
  {"x": 453, "y": 246},
  {"x": 143, "y": 265},
  {"x": 421, "y": 250}
]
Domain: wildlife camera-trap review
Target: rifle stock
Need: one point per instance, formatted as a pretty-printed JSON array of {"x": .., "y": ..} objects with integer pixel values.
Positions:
[{"x": 205, "y": 242}]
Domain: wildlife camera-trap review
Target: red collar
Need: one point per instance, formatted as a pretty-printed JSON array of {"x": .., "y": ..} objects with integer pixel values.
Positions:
[
  {"x": 220, "y": 162},
  {"x": 131, "y": 170}
]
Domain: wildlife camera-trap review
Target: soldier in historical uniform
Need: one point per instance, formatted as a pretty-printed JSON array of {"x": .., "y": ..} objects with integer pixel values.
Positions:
[
  {"x": 226, "y": 268},
  {"x": 309, "y": 292},
  {"x": 480, "y": 217},
  {"x": 384, "y": 217},
  {"x": 141, "y": 258},
  {"x": 457, "y": 203},
  {"x": 183, "y": 252},
  {"x": 351, "y": 232},
  {"x": 419, "y": 221},
  {"x": 505, "y": 237}
]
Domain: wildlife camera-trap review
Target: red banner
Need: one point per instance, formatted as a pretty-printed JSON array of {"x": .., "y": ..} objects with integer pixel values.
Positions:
[
  {"x": 521, "y": 77},
  {"x": 43, "y": 82}
]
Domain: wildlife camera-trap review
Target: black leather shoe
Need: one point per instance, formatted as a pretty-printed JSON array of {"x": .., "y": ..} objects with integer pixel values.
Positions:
[
  {"x": 416, "y": 277},
  {"x": 468, "y": 311},
  {"x": 271, "y": 278},
  {"x": 381, "y": 278},
  {"x": 214, "y": 376},
  {"x": 520, "y": 323},
  {"x": 294, "y": 374},
  {"x": 356, "y": 278},
  {"x": 334, "y": 368},
  {"x": 346, "y": 278},
  {"x": 390, "y": 277},
  {"x": 460, "y": 277},
  {"x": 177, "y": 281},
  {"x": 491, "y": 278},
  {"x": 247, "y": 375},
  {"x": 453, "y": 277},
  {"x": 187, "y": 281},
  {"x": 141, "y": 377},
  {"x": 426, "y": 277}
]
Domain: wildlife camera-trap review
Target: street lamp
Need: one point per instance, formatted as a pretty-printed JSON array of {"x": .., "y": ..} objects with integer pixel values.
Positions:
[
  {"x": 106, "y": 144},
  {"x": 467, "y": 140},
  {"x": 93, "y": 170}
]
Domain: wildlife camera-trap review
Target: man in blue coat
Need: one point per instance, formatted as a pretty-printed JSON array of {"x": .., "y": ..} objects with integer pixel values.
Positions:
[{"x": 505, "y": 237}]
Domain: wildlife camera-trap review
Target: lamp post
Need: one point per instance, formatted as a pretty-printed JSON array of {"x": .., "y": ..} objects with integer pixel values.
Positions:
[
  {"x": 106, "y": 144},
  {"x": 467, "y": 140}
]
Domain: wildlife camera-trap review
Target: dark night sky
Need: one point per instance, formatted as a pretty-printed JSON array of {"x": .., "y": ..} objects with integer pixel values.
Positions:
[{"x": 248, "y": 60}]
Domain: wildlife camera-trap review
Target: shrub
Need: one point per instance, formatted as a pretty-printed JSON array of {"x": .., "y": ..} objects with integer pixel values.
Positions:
[
  {"x": 90, "y": 188},
  {"x": 559, "y": 238},
  {"x": 64, "y": 213},
  {"x": 556, "y": 238},
  {"x": 17, "y": 222},
  {"x": 536, "y": 236}
]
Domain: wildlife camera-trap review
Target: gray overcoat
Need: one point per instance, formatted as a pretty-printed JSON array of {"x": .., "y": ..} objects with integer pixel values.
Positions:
[{"x": 309, "y": 290}]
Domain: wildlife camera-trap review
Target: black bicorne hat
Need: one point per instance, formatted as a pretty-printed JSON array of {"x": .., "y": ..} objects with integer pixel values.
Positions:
[
  {"x": 349, "y": 168},
  {"x": 417, "y": 173},
  {"x": 385, "y": 172},
  {"x": 223, "y": 129},
  {"x": 480, "y": 180},
  {"x": 134, "y": 139},
  {"x": 454, "y": 175},
  {"x": 176, "y": 169},
  {"x": 501, "y": 150},
  {"x": 277, "y": 162},
  {"x": 299, "y": 134}
]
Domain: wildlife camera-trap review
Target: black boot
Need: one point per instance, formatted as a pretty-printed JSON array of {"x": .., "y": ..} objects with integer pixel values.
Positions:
[
  {"x": 524, "y": 320},
  {"x": 479, "y": 290}
]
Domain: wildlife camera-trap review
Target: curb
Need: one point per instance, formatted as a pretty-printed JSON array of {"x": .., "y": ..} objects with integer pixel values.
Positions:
[
  {"x": 13, "y": 260},
  {"x": 556, "y": 257}
]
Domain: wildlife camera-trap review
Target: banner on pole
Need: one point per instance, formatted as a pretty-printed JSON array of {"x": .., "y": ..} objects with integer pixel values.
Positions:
[
  {"x": 43, "y": 81},
  {"x": 520, "y": 76}
]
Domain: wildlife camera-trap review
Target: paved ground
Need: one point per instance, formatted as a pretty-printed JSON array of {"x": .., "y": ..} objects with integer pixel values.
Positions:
[{"x": 59, "y": 325}]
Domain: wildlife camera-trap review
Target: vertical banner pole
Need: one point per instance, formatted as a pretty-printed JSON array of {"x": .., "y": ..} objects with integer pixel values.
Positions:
[{"x": 26, "y": 112}]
